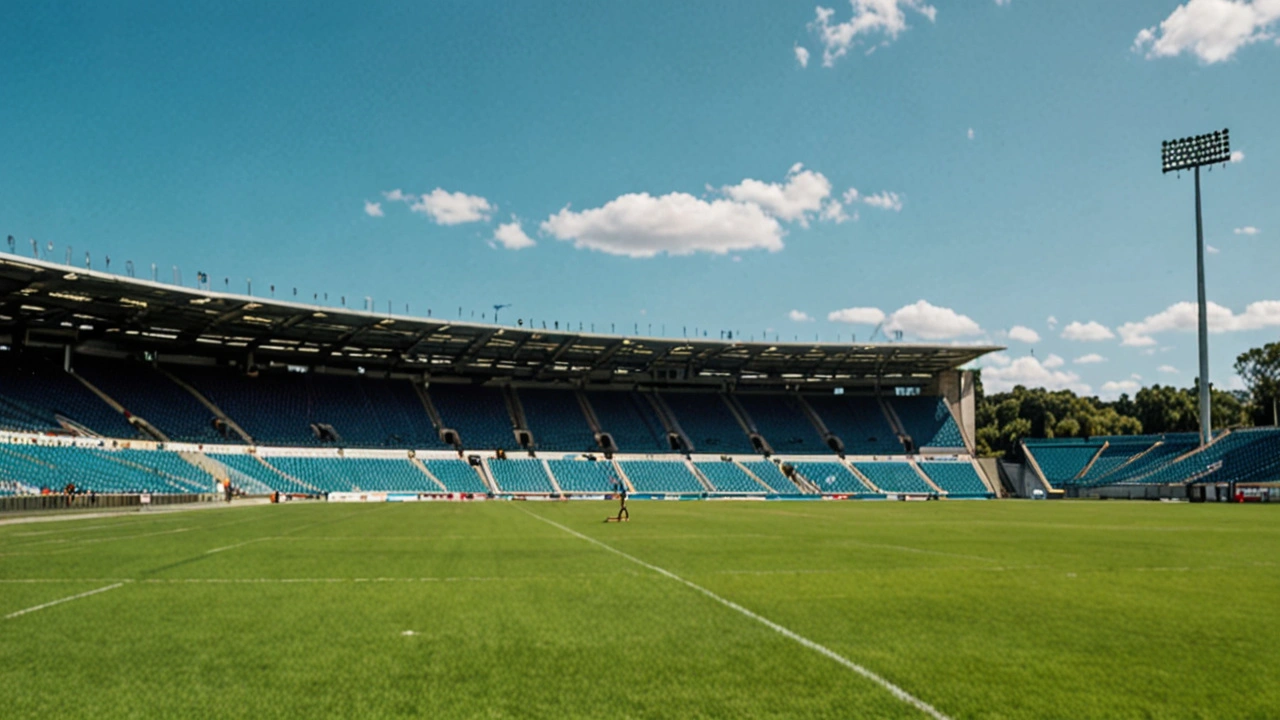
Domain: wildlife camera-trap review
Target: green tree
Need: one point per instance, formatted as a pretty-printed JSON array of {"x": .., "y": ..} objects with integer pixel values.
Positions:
[{"x": 1260, "y": 370}]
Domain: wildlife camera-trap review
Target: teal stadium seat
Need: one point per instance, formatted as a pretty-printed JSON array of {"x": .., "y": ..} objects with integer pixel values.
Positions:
[
  {"x": 959, "y": 479},
  {"x": 832, "y": 478},
  {"x": 770, "y": 474},
  {"x": 894, "y": 477},
  {"x": 457, "y": 476},
  {"x": 523, "y": 475},
  {"x": 584, "y": 476},
  {"x": 727, "y": 477},
  {"x": 661, "y": 476}
]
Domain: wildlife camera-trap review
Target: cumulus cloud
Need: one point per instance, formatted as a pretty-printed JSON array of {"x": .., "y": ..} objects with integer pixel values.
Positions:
[
  {"x": 512, "y": 237},
  {"x": 1053, "y": 361},
  {"x": 803, "y": 193},
  {"x": 1168, "y": 369},
  {"x": 1211, "y": 249},
  {"x": 885, "y": 201},
  {"x": 857, "y": 316},
  {"x": 1212, "y": 30},
  {"x": 799, "y": 316},
  {"x": 878, "y": 21},
  {"x": 930, "y": 322},
  {"x": 444, "y": 207},
  {"x": 802, "y": 56},
  {"x": 1023, "y": 334},
  {"x": 1091, "y": 331},
  {"x": 1004, "y": 374},
  {"x": 1052, "y": 322},
  {"x": 1112, "y": 389},
  {"x": 640, "y": 225},
  {"x": 1237, "y": 156},
  {"x": 1090, "y": 359},
  {"x": 372, "y": 209},
  {"x": 1247, "y": 230},
  {"x": 1184, "y": 316},
  {"x": 970, "y": 133}
]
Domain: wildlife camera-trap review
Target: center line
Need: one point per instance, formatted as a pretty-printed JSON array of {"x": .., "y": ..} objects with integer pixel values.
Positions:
[
  {"x": 59, "y": 601},
  {"x": 896, "y": 691}
]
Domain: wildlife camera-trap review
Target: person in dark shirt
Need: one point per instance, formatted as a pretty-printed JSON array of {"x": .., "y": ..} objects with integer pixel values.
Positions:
[{"x": 623, "y": 514}]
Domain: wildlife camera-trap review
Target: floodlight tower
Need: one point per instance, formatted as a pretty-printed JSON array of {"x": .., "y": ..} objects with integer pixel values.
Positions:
[{"x": 1194, "y": 153}]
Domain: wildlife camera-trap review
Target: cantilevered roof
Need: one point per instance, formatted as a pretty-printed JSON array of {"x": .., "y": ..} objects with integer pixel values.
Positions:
[{"x": 47, "y": 303}]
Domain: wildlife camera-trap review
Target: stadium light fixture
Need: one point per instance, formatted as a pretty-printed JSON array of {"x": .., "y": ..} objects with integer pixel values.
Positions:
[{"x": 1193, "y": 153}]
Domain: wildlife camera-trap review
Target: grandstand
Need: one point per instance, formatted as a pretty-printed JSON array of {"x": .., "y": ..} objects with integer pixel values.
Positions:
[{"x": 124, "y": 385}]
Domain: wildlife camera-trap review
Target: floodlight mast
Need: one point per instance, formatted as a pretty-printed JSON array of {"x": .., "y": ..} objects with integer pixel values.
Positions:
[{"x": 1191, "y": 154}]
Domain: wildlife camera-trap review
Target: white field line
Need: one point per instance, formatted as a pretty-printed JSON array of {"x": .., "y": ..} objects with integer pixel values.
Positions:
[
  {"x": 893, "y": 689},
  {"x": 239, "y": 544},
  {"x": 59, "y": 601}
]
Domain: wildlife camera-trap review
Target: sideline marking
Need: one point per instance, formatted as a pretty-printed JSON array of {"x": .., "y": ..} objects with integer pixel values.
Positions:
[
  {"x": 112, "y": 586},
  {"x": 896, "y": 691}
]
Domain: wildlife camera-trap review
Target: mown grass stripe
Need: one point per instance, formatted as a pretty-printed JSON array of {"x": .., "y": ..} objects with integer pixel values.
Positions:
[{"x": 893, "y": 689}]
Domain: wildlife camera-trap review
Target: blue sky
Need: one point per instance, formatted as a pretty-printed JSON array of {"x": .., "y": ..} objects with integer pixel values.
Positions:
[{"x": 959, "y": 169}]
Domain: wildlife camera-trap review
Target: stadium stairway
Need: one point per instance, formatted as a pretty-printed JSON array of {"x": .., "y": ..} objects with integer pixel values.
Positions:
[
  {"x": 217, "y": 411},
  {"x": 430, "y": 476},
  {"x": 768, "y": 473}
]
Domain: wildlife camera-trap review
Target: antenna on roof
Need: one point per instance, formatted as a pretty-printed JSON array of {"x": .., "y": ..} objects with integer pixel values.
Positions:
[
  {"x": 496, "y": 308},
  {"x": 11, "y": 243}
]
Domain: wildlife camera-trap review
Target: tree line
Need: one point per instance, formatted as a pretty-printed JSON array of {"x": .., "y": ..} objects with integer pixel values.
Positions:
[{"x": 1005, "y": 419}]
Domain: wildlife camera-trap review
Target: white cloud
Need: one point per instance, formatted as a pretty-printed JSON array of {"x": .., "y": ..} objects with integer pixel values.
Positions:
[
  {"x": 1023, "y": 334},
  {"x": 857, "y": 316},
  {"x": 397, "y": 196},
  {"x": 970, "y": 133},
  {"x": 885, "y": 201},
  {"x": 1028, "y": 372},
  {"x": 512, "y": 237},
  {"x": 1212, "y": 30},
  {"x": 452, "y": 208},
  {"x": 930, "y": 322},
  {"x": 1053, "y": 361},
  {"x": 1168, "y": 369},
  {"x": 882, "y": 20},
  {"x": 1184, "y": 316},
  {"x": 1052, "y": 321},
  {"x": 640, "y": 225},
  {"x": 372, "y": 209},
  {"x": 1090, "y": 359},
  {"x": 1003, "y": 2},
  {"x": 834, "y": 212},
  {"x": 1247, "y": 230},
  {"x": 802, "y": 56},
  {"x": 1113, "y": 388},
  {"x": 802, "y": 194},
  {"x": 799, "y": 316},
  {"x": 1091, "y": 331},
  {"x": 1237, "y": 156},
  {"x": 1211, "y": 249}
]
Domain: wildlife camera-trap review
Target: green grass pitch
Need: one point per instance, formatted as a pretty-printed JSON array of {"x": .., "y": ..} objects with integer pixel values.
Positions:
[{"x": 434, "y": 610}]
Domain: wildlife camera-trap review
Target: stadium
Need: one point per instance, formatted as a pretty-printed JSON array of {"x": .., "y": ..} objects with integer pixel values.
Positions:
[{"x": 639, "y": 360}]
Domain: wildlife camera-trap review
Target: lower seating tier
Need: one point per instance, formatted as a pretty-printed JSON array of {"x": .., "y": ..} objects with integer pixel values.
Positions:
[
  {"x": 584, "y": 476},
  {"x": 894, "y": 477},
  {"x": 520, "y": 476},
  {"x": 728, "y": 477},
  {"x": 657, "y": 476}
]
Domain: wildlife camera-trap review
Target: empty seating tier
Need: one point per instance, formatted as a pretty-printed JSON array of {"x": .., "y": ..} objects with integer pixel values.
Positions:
[
  {"x": 727, "y": 477},
  {"x": 479, "y": 414},
  {"x": 457, "y": 476},
  {"x": 928, "y": 421},
  {"x": 959, "y": 479},
  {"x": 859, "y": 422},
  {"x": 1062, "y": 461},
  {"x": 342, "y": 474},
  {"x": 101, "y": 470},
  {"x": 584, "y": 476},
  {"x": 1241, "y": 454},
  {"x": 770, "y": 474},
  {"x": 783, "y": 423},
  {"x": 630, "y": 420},
  {"x": 246, "y": 464},
  {"x": 556, "y": 420},
  {"x": 520, "y": 476},
  {"x": 832, "y": 478},
  {"x": 151, "y": 395},
  {"x": 658, "y": 476},
  {"x": 894, "y": 477},
  {"x": 708, "y": 422},
  {"x": 1116, "y": 454},
  {"x": 34, "y": 394}
]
